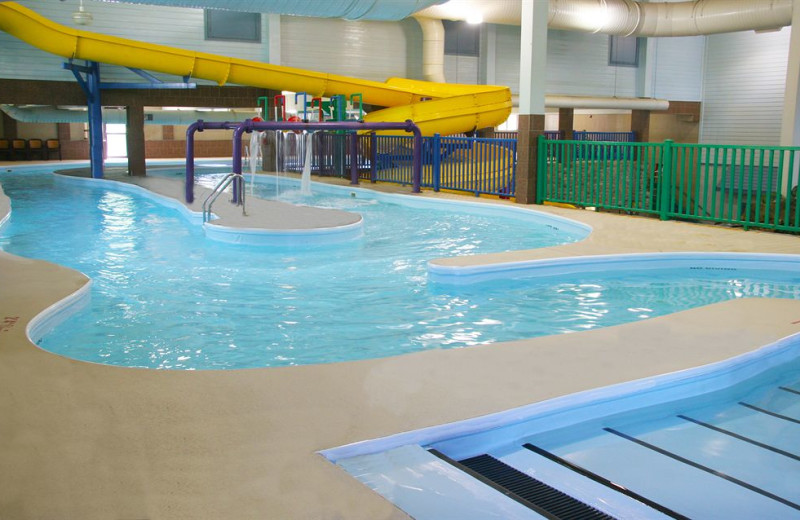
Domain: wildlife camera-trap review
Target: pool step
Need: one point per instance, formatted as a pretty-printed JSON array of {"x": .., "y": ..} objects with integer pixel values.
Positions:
[
  {"x": 545, "y": 500},
  {"x": 735, "y": 460},
  {"x": 604, "y": 481}
]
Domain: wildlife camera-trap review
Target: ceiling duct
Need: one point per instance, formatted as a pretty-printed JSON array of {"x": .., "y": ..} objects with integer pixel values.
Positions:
[
  {"x": 382, "y": 10},
  {"x": 631, "y": 17},
  {"x": 432, "y": 49},
  {"x": 698, "y": 17}
]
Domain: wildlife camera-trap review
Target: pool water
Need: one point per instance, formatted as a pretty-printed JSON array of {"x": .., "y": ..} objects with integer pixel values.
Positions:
[{"x": 164, "y": 296}]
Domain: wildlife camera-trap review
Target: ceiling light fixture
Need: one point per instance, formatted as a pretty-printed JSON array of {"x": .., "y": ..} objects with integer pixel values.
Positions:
[
  {"x": 81, "y": 16},
  {"x": 474, "y": 18}
]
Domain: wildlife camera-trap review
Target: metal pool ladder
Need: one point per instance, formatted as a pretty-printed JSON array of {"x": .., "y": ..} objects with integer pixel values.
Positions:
[{"x": 220, "y": 188}]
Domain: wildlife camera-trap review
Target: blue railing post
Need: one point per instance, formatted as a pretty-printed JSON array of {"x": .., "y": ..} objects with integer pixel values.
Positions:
[
  {"x": 665, "y": 176},
  {"x": 353, "y": 159},
  {"x": 436, "y": 150},
  {"x": 373, "y": 157}
]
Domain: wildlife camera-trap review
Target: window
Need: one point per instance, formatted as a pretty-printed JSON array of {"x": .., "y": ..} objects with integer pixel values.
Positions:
[
  {"x": 461, "y": 38},
  {"x": 116, "y": 140},
  {"x": 233, "y": 26},
  {"x": 623, "y": 51}
]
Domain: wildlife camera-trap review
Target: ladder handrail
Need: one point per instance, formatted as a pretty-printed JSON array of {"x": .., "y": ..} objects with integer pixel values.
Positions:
[{"x": 219, "y": 189}]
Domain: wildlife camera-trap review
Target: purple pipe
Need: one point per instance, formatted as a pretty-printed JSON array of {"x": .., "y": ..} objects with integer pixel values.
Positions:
[
  {"x": 249, "y": 125},
  {"x": 199, "y": 126}
]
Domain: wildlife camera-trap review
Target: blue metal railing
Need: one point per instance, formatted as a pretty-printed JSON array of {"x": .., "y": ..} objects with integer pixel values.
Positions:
[
  {"x": 616, "y": 137},
  {"x": 459, "y": 163},
  {"x": 393, "y": 159},
  {"x": 474, "y": 165},
  {"x": 331, "y": 153},
  {"x": 470, "y": 164}
]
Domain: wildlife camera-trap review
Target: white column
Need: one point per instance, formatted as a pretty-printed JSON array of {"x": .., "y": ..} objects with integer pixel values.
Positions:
[
  {"x": 533, "y": 56},
  {"x": 790, "y": 127},
  {"x": 274, "y": 42}
]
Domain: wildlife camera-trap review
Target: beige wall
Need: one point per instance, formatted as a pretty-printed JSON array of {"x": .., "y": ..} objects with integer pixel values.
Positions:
[
  {"x": 153, "y": 132},
  {"x": 672, "y": 126},
  {"x": 603, "y": 122},
  {"x": 679, "y": 128},
  {"x": 207, "y": 135},
  {"x": 76, "y": 132},
  {"x": 37, "y": 131}
]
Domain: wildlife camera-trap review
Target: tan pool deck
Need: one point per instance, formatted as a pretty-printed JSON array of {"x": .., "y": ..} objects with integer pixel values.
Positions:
[{"x": 84, "y": 441}]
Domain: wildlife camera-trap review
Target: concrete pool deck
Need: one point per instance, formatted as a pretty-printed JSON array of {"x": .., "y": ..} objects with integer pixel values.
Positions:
[
  {"x": 260, "y": 214},
  {"x": 88, "y": 441}
]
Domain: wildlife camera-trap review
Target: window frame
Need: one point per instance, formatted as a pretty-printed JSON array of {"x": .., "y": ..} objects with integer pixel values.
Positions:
[
  {"x": 614, "y": 59},
  {"x": 254, "y": 18},
  {"x": 455, "y": 30}
]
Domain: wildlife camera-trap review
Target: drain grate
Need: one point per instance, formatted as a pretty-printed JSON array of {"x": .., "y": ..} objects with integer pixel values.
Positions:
[{"x": 538, "y": 496}]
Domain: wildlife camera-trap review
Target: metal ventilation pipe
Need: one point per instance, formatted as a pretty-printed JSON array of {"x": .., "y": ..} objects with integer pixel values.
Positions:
[
  {"x": 605, "y": 102},
  {"x": 692, "y": 18},
  {"x": 432, "y": 49}
]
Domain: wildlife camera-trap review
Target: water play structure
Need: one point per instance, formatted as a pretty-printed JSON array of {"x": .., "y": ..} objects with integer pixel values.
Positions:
[
  {"x": 250, "y": 125},
  {"x": 434, "y": 107}
]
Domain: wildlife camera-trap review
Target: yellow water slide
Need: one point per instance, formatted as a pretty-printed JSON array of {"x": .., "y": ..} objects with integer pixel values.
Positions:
[{"x": 435, "y": 107}]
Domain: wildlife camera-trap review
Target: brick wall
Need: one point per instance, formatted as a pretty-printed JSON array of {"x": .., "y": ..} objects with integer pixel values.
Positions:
[{"x": 177, "y": 149}]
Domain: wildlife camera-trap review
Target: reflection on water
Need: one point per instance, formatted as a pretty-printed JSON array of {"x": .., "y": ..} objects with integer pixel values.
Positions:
[{"x": 165, "y": 297}]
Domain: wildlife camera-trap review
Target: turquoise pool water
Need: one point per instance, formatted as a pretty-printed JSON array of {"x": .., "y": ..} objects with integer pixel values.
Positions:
[{"x": 164, "y": 296}]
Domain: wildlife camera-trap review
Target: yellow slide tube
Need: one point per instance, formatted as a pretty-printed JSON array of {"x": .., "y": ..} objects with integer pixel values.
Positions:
[{"x": 435, "y": 107}]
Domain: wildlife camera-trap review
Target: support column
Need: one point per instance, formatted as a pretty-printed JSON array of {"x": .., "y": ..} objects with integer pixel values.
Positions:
[
  {"x": 533, "y": 64},
  {"x": 566, "y": 122},
  {"x": 790, "y": 127},
  {"x": 135, "y": 140},
  {"x": 531, "y": 126},
  {"x": 640, "y": 125},
  {"x": 273, "y": 22},
  {"x": 95, "y": 106},
  {"x": 566, "y": 126}
]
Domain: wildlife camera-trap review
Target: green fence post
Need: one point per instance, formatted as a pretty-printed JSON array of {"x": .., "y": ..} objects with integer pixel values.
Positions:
[
  {"x": 541, "y": 168},
  {"x": 665, "y": 176}
]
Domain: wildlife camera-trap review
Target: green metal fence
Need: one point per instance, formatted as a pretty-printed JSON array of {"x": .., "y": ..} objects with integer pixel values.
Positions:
[{"x": 751, "y": 186}]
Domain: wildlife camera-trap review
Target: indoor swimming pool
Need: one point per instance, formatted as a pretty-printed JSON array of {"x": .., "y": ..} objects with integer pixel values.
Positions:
[{"x": 164, "y": 296}]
